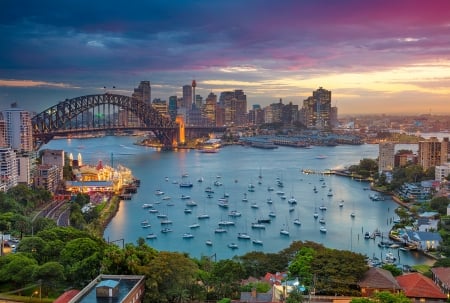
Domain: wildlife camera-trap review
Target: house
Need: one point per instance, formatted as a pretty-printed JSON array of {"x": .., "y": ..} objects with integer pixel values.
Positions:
[
  {"x": 421, "y": 289},
  {"x": 254, "y": 297},
  {"x": 441, "y": 277},
  {"x": 275, "y": 278},
  {"x": 376, "y": 280},
  {"x": 423, "y": 239}
]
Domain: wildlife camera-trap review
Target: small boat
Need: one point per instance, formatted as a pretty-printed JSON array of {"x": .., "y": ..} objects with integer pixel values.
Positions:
[
  {"x": 258, "y": 226},
  {"x": 272, "y": 214},
  {"x": 203, "y": 216},
  {"x": 234, "y": 213},
  {"x": 284, "y": 232},
  {"x": 352, "y": 215},
  {"x": 291, "y": 209},
  {"x": 147, "y": 205},
  {"x": 243, "y": 236},
  {"x": 208, "y": 242},
  {"x": 188, "y": 236},
  {"x": 194, "y": 225},
  {"x": 166, "y": 222},
  {"x": 270, "y": 188},
  {"x": 153, "y": 210},
  {"x": 341, "y": 204},
  {"x": 257, "y": 242},
  {"x": 321, "y": 157},
  {"x": 166, "y": 230},
  {"x": 233, "y": 246},
  {"x": 185, "y": 197},
  {"x": 191, "y": 203},
  {"x": 223, "y": 204},
  {"x": 322, "y": 207},
  {"x": 186, "y": 184},
  {"x": 245, "y": 198},
  {"x": 292, "y": 200},
  {"x": 297, "y": 222},
  {"x": 322, "y": 221},
  {"x": 367, "y": 235},
  {"x": 166, "y": 198},
  {"x": 220, "y": 230},
  {"x": 264, "y": 220},
  {"x": 269, "y": 200},
  {"x": 151, "y": 236},
  {"x": 147, "y": 225},
  {"x": 226, "y": 223},
  {"x": 254, "y": 205},
  {"x": 209, "y": 190},
  {"x": 200, "y": 179},
  {"x": 144, "y": 222},
  {"x": 323, "y": 229},
  {"x": 316, "y": 215},
  {"x": 159, "y": 192},
  {"x": 187, "y": 210}
]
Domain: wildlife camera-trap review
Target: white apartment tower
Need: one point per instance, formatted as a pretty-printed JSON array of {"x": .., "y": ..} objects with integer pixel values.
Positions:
[
  {"x": 386, "y": 156},
  {"x": 18, "y": 128}
]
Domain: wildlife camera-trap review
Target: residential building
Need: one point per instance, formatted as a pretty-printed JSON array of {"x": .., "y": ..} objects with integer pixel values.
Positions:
[
  {"x": 48, "y": 176},
  {"x": 419, "y": 288},
  {"x": 8, "y": 168},
  {"x": 53, "y": 157},
  {"x": 432, "y": 152},
  {"x": 441, "y": 277},
  {"x": 376, "y": 280},
  {"x": 18, "y": 129},
  {"x": 404, "y": 157},
  {"x": 386, "y": 152},
  {"x": 441, "y": 172}
]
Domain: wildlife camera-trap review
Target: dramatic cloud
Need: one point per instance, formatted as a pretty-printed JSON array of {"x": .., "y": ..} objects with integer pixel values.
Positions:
[{"x": 54, "y": 50}]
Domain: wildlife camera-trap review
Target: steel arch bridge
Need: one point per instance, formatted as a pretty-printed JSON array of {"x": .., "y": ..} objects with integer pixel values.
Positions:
[{"x": 102, "y": 112}]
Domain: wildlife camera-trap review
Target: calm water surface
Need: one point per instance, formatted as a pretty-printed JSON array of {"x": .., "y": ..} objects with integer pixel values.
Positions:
[{"x": 235, "y": 168}]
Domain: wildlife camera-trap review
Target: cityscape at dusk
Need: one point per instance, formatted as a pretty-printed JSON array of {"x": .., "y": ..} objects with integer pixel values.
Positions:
[{"x": 376, "y": 57}]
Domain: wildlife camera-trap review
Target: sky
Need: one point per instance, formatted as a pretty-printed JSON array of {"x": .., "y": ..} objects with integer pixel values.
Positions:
[{"x": 376, "y": 56}]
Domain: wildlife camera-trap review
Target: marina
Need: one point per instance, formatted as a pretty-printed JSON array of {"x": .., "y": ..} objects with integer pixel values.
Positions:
[{"x": 267, "y": 170}]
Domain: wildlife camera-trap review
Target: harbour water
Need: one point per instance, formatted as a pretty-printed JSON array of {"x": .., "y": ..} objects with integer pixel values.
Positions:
[{"x": 229, "y": 172}]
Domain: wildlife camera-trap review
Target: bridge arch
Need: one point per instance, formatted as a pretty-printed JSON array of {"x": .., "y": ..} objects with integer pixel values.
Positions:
[{"x": 78, "y": 115}]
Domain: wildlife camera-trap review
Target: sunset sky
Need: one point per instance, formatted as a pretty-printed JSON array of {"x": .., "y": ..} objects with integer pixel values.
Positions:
[{"x": 381, "y": 56}]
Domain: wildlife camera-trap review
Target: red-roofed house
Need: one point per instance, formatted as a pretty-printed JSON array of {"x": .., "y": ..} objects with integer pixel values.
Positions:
[
  {"x": 67, "y": 296},
  {"x": 441, "y": 276},
  {"x": 376, "y": 280},
  {"x": 275, "y": 278},
  {"x": 419, "y": 288}
]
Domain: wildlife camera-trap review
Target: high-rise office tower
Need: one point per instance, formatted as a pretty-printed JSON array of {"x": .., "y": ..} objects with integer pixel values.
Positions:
[
  {"x": 172, "y": 108},
  {"x": 187, "y": 96},
  {"x": 317, "y": 109},
  {"x": 209, "y": 110},
  {"x": 143, "y": 92}
]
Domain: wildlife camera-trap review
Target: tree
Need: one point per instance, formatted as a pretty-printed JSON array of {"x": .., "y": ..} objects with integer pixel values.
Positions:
[
  {"x": 301, "y": 265},
  {"x": 440, "y": 204},
  {"x": 226, "y": 276},
  {"x": 393, "y": 269},
  {"x": 295, "y": 296},
  {"x": 52, "y": 273},
  {"x": 17, "y": 269},
  {"x": 170, "y": 278},
  {"x": 383, "y": 297}
]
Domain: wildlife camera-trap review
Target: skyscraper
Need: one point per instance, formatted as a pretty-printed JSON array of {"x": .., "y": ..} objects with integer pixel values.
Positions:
[
  {"x": 143, "y": 92},
  {"x": 187, "y": 96},
  {"x": 317, "y": 109}
]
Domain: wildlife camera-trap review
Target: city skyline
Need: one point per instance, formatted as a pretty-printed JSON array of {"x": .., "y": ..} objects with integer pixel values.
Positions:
[{"x": 375, "y": 56}]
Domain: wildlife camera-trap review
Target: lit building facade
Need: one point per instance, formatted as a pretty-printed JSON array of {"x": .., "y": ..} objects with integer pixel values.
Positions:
[
  {"x": 432, "y": 153},
  {"x": 8, "y": 168},
  {"x": 48, "y": 176},
  {"x": 18, "y": 129},
  {"x": 386, "y": 155},
  {"x": 317, "y": 109}
]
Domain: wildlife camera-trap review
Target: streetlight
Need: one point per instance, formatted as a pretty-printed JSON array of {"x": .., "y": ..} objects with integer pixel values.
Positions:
[{"x": 36, "y": 292}]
